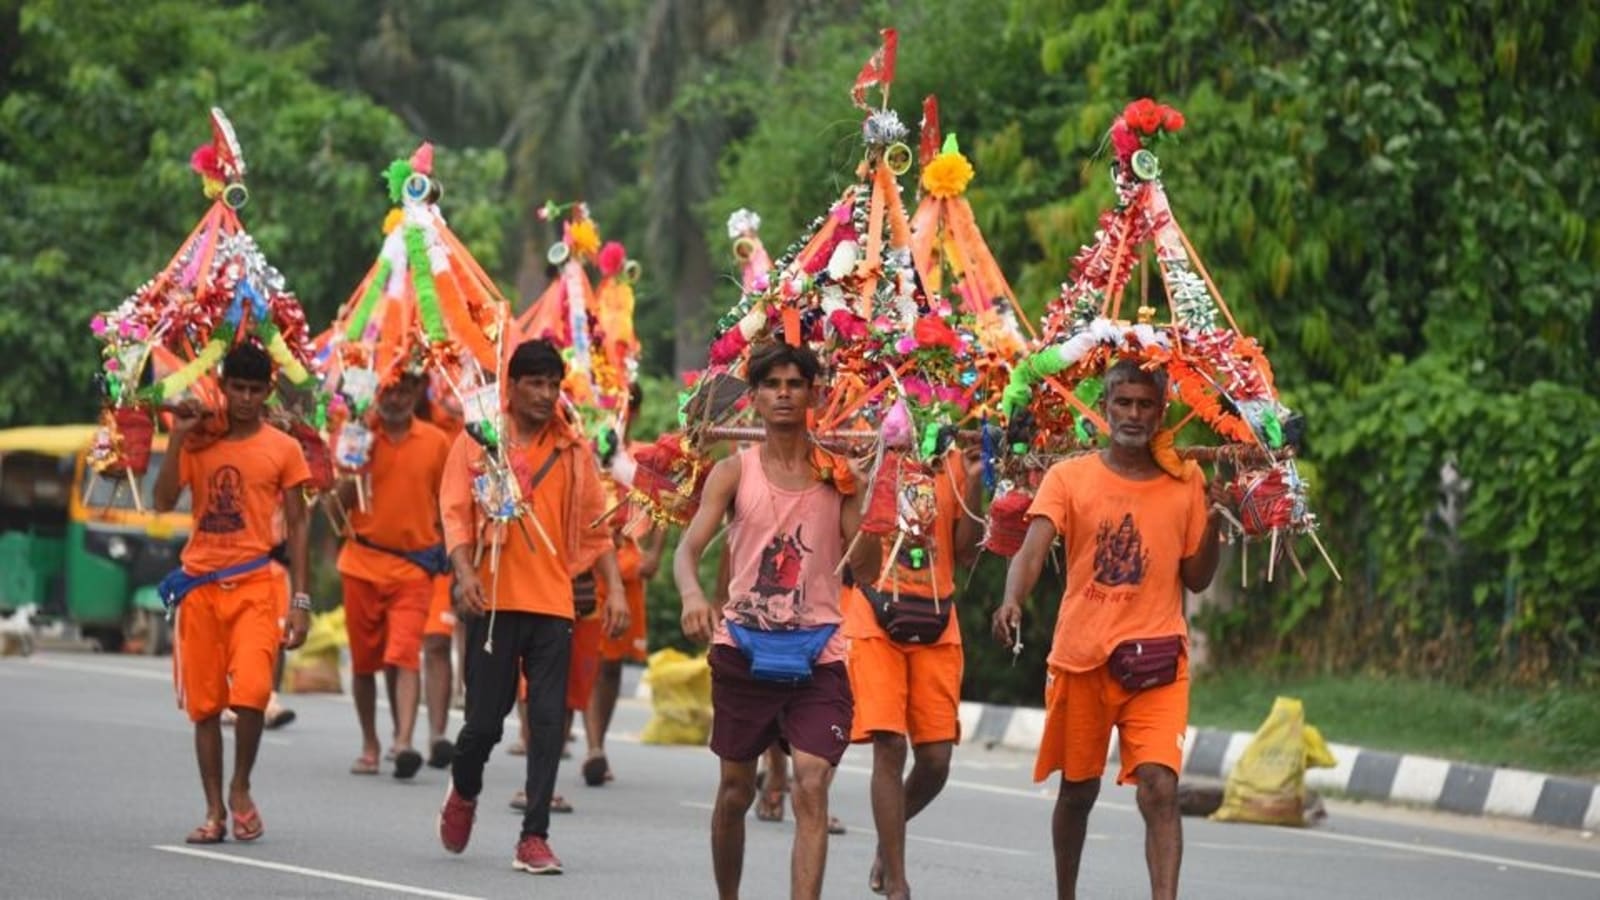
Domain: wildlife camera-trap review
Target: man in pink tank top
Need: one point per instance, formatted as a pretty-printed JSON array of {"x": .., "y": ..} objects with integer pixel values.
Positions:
[{"x": 777, "y": 656}]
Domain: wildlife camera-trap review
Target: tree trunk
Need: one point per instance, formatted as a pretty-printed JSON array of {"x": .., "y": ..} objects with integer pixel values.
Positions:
[{"x": 692, "y": 298}]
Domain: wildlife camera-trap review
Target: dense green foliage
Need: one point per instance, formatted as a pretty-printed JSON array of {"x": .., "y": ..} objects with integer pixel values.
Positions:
[
  {"x": 100, "y": 106},
  {"x": 1398, "y": 198},
  {"x": 1395, "y": 198}
]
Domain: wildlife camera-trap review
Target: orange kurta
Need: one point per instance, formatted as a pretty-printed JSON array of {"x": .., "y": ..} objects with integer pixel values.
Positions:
[{"x": 565, "y": 502}]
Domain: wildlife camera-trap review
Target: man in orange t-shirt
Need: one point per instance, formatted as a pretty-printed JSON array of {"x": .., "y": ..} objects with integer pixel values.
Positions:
[
  {"x": 528, "y": 627},
  {"x": 229, "y": 598},
  {"x": 909, "y": 686},
  {"x": 1135, "y": 538},
  {"x": 388, "y": 566}
]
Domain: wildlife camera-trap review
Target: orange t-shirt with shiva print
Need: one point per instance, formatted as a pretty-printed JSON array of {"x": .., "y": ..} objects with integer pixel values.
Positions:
[
  {"x": 403, "y": 507},
  {"x": 1124, "y": 539},
  {"x": 237, "y": 493}
]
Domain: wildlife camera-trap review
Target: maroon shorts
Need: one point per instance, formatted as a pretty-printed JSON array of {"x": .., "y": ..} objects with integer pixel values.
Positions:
[{"x": 748, "y": 714}]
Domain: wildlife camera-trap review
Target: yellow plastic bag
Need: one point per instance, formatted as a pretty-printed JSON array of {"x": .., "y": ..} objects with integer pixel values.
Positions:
[
  {"x": 1267, "y": 785},
  {"x": 680, "y": 698},
  {"x": 314, "y": 667}
]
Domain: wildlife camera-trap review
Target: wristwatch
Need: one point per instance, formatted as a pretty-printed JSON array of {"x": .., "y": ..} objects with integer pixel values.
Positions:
[{"x": 301, "y": 601}]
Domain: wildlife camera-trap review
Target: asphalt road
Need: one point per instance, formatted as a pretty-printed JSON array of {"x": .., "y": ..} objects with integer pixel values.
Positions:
[{"x": 98, "y": 789}]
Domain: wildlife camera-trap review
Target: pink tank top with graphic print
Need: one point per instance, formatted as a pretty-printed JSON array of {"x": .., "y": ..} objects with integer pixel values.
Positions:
[{"x": 784, "y": 547}]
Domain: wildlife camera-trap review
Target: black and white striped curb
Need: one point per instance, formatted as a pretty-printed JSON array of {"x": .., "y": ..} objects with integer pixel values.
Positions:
[
  {"x": 1367, "y": 774},
  {"x": 1426, "y": 781}
]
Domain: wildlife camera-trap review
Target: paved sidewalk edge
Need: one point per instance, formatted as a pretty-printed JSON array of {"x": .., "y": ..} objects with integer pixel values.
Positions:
[{"x": 1442, "y": 784}]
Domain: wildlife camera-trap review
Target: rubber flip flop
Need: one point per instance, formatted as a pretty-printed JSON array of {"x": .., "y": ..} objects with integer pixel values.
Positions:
[
  {"x": 406, "y": 763},
  {"x": 559, "y": 804},
  {"x": 441, "y": 754},
  {"x": 280, "y": 718},
  {"x": 595, "y": 771},
  {"x": 212, "y": 832},
  {"x": 835, "y": 826},
  {"x": 364, "y": 765},
  {"x": 247, "y": 826}
]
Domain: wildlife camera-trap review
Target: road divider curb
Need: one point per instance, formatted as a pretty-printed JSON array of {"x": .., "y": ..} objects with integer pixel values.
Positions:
[{"x": 1409, "y": 779}]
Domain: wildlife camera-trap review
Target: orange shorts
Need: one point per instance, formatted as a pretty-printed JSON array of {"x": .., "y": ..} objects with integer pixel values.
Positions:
[
  {"x": 585, "y": 665},
  {"x": 632, "y": 644},
  {"x": 385, "y": 622},
  {"x": 226, "y": 644},
  {"x": 1082, "y": 707},
  {"x": 441, "y": 612},
  {"x": 906, "y": 689}
]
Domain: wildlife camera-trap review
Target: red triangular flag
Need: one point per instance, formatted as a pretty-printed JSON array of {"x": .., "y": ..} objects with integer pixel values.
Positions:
[{"x": 879, "y": 70}]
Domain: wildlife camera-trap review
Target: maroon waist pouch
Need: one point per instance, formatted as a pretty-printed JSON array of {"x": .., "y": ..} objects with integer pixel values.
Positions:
[{"x": 1146, "y": 662}]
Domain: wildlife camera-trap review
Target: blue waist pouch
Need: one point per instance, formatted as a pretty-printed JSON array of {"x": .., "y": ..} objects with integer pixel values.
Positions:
[
  {"x": 432, "y": 560},
  {"x": 785, "y": 656},
  {"x": 178, "y": 583}
]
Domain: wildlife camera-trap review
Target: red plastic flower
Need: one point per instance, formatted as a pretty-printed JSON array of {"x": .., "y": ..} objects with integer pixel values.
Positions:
[
  {"x": 931, "y": 331},
  {"x": 848, "y": 326},
  {"x": 1171, "y": 119},
  {"x": 1143, "y": 115}
]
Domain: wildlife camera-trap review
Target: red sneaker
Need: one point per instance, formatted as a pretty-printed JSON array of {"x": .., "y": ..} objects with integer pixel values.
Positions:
[
  {"x": 535, "y": 857},
  {"x": 455, "y": 820}
]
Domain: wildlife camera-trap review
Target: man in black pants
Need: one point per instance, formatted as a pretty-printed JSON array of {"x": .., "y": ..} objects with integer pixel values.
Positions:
[{"x": 524, "y": 609}]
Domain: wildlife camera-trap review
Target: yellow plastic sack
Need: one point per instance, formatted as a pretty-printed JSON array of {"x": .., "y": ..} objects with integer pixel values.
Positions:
[
  {"x": 314, "y": 667},
  {"x": 1267, "y": 786},
  {"x": 680, "y": 698}
]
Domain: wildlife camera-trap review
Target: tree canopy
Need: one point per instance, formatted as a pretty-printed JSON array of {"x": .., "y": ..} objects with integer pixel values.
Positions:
[{"x": 1397, "y": 198}]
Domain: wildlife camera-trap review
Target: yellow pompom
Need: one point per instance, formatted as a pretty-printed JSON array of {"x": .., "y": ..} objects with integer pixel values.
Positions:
[
  {"x": 583, "y": 238},
  {"x": 393, "y": 220},
  {"x": 947, "y": 175},
  {"x": 212, "y": 187}
]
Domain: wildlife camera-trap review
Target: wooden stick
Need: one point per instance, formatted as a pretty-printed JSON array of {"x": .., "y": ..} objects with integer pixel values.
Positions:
[
  {"x": 1288, "y": 547},
  {"x": 1272, "y": 555},
  {"x": 1325, "y": 557},
  {"x": 133, "y": 485}
]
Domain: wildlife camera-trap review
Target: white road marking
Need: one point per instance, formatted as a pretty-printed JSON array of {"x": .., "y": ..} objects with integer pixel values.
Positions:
[
  {"x": 1428, "y": 850},
  {"x": 314, "y": 873},
  {"x": 1008, "y": 851}
]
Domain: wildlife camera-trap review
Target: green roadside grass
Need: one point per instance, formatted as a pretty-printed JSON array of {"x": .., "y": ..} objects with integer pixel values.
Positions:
[{"x": 1553, "y": 729}]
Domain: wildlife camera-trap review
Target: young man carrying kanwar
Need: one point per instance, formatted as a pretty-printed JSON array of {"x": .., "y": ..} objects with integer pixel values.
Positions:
[
  {"x": 638, "y": 561},
  {"x": 777, "y": 656},
  {"x": 524, "y": 613},
  {"x": 231, "y": 603},
  {"x": 905, "y": 665},
  {"x": 388, "y": 567},
  {"x": 1135, "y": 538}
]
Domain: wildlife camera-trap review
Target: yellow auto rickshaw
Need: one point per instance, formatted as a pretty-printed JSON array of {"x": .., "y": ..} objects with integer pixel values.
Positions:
[{"x": 82, "y": 547}]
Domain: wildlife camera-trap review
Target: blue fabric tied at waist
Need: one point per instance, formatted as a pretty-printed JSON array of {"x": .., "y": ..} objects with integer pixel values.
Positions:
[
  {"x": 432, "y": 560},
  {"x": 178, "y": 583},
  {"x": 785, "y": 656}
]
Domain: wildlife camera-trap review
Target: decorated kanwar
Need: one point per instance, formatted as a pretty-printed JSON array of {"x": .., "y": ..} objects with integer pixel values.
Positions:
[{"x": 217, "y": 344}]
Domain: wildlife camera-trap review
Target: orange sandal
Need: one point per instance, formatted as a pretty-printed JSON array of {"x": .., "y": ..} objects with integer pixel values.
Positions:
[
  {"x": 212, "y": 832},
  {"x": 247, "y": 825}
]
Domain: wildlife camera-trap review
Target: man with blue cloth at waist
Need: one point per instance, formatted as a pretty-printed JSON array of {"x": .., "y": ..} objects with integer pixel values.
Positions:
[
  {"x": 394, "y": 551},
  {"x": 229, "y": 596}
]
